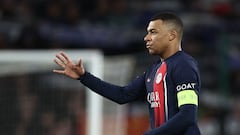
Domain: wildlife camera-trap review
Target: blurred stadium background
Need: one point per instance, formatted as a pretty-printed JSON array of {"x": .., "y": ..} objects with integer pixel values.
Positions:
[{"x": 42, "y": 103}]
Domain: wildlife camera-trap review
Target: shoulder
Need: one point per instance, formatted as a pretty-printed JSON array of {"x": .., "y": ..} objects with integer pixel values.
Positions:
[
  {"x": 151, "y": 68},
  {"x": 154, "y": 64},
  {"x": 183, "y": 64},
  {"x": 184, "y": 69},
  {"x": 183, "y": 59}
]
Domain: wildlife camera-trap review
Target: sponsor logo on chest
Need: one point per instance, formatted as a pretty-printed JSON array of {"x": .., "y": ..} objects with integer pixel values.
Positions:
[{"x": 153, "y": 99}]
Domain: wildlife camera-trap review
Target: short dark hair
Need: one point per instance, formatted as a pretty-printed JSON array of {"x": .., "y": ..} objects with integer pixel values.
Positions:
[{"x": 170, "y": 18}]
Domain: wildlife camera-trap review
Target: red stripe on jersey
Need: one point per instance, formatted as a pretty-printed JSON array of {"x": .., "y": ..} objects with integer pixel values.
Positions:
[{"x": 158, "y": 88}]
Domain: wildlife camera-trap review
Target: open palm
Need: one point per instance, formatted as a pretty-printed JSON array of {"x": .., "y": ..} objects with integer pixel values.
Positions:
[{"x": 70, "y": 69}]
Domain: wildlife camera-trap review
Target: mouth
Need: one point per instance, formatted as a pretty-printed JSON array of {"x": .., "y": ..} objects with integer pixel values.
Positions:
[{"x": 148, "y": 46}]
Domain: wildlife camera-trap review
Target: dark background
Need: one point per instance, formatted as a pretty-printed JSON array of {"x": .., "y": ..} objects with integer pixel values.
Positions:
[{"x": 117, "y": 27}]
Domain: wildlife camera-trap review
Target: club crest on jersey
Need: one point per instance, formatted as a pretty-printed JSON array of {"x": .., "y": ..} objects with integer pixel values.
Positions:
[{"x": 158, "y": 78}]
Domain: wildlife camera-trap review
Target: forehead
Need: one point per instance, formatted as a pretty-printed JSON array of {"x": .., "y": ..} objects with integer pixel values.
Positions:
[{"x": 156, "y": 24}]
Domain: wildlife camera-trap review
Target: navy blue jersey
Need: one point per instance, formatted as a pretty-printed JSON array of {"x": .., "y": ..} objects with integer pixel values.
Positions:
[
  {"x": 171, "y": 89},
  {"x": 164, "y": 80}
]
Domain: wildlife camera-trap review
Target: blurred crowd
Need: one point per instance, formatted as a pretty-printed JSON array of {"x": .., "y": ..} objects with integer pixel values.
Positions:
[
  {"x": 34, "y": 24},
  {"x": 31, "y": 107},
  {"x": 212, "y": 31}
]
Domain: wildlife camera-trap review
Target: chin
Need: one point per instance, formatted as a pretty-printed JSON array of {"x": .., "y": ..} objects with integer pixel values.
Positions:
[{"x": 151, "y": 52}]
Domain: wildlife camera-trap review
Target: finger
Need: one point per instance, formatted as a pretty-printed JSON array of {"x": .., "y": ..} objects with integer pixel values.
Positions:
[
  {"x": 61, "y": 58},
  {"x": 79, "y": 63},
  {"x": 59, "y": 63},
  {"x": 65, "y": 56},
  {"x": 59, "y": 71}
]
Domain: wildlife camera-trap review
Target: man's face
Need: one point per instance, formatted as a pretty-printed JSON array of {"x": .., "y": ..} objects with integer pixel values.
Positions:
[{"x": 157, "y": 38}]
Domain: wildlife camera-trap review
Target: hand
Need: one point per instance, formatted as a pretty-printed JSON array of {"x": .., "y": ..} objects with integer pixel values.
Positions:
[{"x": 70, "y": 69}]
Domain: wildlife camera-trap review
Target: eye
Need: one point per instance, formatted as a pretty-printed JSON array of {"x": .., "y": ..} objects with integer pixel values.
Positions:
[{"x": 152, "y": 31}]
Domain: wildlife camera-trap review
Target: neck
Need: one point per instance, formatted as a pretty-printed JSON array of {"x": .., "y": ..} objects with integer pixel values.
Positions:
[{"x": 171, "y": 51}]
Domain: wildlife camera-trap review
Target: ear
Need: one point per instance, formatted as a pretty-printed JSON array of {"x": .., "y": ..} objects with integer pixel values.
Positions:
[{"x": 172, "y": 35}]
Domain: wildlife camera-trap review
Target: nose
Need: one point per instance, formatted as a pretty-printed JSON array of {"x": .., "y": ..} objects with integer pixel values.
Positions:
[{"x": 146, "y": 38}]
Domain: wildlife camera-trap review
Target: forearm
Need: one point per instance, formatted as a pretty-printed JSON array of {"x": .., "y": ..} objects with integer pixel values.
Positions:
[
  {"x": 113, "y": 92},
  {"x": 185, "y": 118}
]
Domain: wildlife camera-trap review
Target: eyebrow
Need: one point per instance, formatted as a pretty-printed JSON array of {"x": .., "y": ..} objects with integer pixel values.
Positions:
[{"x": 151, "y": 30}]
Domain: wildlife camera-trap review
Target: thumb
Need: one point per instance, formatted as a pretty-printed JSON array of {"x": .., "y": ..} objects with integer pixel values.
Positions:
[{"x": 79, "y": 64}]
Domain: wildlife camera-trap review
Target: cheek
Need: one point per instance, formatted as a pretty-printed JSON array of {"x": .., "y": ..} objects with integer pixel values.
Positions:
[
  {"x": 163, "y": 39},
  {"x": 158, "y": 41},
  {"x": 161, "y": 43}
]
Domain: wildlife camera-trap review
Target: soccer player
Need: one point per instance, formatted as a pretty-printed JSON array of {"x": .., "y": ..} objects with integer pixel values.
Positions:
[{"x": 170, "y": 86}]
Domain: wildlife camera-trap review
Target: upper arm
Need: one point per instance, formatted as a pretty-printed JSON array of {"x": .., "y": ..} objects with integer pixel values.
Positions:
[{"x": 187, "y": 82}]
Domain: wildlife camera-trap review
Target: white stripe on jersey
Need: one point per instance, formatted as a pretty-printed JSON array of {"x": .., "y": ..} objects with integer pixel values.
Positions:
[{"x": 166, "y": 96}]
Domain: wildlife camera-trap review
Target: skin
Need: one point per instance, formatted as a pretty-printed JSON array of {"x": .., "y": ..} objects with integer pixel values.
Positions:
[
  {"x": 161, "y": 39},
  {"x": 70, "y": 69}
]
